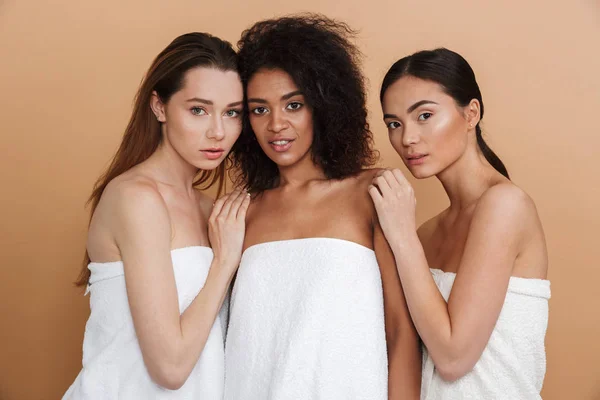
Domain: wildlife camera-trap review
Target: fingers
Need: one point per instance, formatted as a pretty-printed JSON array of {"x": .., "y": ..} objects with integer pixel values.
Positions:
[
  {"x": 381, "y": 182},
  {"x": 389, "y": 178},
  {"x": 237, "y": 202},
  {"x": 399, "y": 176},
  {"x": 375, "y": 195},
  {"x": 403, "y": 183},
  {"x": 217, "y": 207},
  {"x": 394, "y": 178},
  {"x": 241, "y": 214},
  {"x": 228, "y": 203}
]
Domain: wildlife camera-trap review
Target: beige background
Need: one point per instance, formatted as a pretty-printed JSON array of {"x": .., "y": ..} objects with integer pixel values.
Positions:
[{"x": 68, "y": 73}]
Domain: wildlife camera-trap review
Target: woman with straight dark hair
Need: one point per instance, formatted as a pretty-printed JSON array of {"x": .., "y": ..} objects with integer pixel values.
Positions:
[
  {"x": 474, "y": 276},
  {"x": 307, "y": 307},
  {"x": 156, "y": 286}
]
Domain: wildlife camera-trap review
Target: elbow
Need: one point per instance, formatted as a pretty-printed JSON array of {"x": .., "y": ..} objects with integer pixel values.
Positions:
[
  {"x": 169, "y": 376},
  {"x": 454, "y": 369}
]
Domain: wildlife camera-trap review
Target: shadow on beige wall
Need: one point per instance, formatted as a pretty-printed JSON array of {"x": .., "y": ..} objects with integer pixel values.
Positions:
[{"x": 68, "y": 75}]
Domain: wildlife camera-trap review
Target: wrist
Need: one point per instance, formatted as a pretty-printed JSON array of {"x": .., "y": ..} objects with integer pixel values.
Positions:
[
  {"x": 225, "y": 266},
  {"x": 408, "y": 241}
]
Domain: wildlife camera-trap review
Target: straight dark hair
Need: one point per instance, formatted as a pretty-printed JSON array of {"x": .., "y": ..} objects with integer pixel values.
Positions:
[{"x": 454, "y": 74}]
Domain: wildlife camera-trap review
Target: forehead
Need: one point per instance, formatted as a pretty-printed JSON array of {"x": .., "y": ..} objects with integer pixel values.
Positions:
[
  {"x": 212, "y": 84},
  {"x": 270, "y": 83},
  {"x": 408, "y": 90}
]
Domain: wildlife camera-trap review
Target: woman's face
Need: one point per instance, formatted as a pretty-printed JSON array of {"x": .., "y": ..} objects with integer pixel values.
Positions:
[
  {"x": 202, "y": 120},
  {"x": 426, "y": 126},
  {"x": 280, "y": 117}
]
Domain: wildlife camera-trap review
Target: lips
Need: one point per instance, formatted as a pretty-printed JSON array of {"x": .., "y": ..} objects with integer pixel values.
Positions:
[
  {"x": 281, "y": 145},
  {"x": 213, "y": 153},
  {"x": 416, "y": 159}
]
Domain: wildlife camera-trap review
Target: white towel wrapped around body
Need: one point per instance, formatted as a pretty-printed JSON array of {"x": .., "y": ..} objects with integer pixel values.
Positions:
[
  {"x": 113, "y": 367},
  {"x": 513, "y": 364},
  {"x": 306, "y": 322}
]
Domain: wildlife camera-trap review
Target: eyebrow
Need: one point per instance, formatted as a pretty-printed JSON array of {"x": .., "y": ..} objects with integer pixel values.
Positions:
[
  {"x": 419, "y": 104},
  {"x": 210, "y": 103},
  {"x": 410, "y": 109},
  {"x": 199, "y": 100},
  {"x": 284, "y": 97}
]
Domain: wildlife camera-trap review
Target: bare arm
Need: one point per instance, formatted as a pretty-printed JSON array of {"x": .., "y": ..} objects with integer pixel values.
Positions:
[
  {"x": 404, "y": 352},
  {"x": 172, "y": 343},
  {"x": 457, "y": 332}
]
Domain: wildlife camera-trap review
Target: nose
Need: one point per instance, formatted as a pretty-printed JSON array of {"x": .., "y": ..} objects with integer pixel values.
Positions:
[
  {"x": 410, "y": 135},
  {"x": 278, "y": 122},
  {"x": 216, "y": 129}
]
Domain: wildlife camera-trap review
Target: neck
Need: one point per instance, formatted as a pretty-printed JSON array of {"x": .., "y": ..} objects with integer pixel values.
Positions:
[
  {"x": 467, "y": 179},
  {"x": 300, "y": 173},
  {"x": 169, "y": 168}
]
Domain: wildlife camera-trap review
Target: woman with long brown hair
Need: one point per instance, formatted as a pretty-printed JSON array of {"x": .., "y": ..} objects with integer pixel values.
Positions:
[{"x": 156, "y": 286}]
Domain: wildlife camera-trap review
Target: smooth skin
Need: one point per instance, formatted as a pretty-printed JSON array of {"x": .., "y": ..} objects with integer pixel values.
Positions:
[
  {"x": 153, "y": 208},
  {"x": 306, "y": 204},
  {"x": 490, "y": 232}
]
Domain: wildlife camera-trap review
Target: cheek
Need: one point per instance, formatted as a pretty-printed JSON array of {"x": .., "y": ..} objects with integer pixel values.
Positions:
[
  {"x": 304, "y": 122},
  {"x": 180, "y": 125},
  {"x": 396, "y": 141},
  {"x": 448, "y": 139},
  {"x": 258, "y": 124},
  {"x": 233, "y": 128}
]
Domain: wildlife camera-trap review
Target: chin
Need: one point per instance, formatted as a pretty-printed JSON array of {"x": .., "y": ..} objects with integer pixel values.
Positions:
[
  {"x": 422, "y": 173},
  {"x": 283, "y": 160},
  {"x": 207, "y": 165}
]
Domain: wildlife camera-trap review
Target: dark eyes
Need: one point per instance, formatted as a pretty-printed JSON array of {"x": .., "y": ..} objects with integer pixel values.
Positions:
[
  {"x": 294, "y": 106},
  {"x": 259, "y": 110},
  {"x": 425, "y": 116},
  {"x": 422, "y": 117}
]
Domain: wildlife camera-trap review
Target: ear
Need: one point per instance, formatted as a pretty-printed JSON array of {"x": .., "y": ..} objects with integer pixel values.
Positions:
[
  {"x": 473, "y": 113},
  {"x": 158, "y": 108}
]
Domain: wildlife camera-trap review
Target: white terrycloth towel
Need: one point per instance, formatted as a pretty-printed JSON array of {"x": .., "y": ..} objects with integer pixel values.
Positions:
[
  {"x": 113, "y": 367},
  {"x": 306, "y": 322},
  {"x": 513, "y": 364}
]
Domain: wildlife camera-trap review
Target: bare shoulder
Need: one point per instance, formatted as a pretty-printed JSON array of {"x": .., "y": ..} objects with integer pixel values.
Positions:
[
  {"x": 359, "y": 183},
  {"x": 506, "y": 210},
  {"x": 506, "y": 199},
  {"x": 133, "y": 195},
  {"x": 129, "y": 205},
  {"x": 366, "y": 176},
  {"x": 360, "y": 193}
]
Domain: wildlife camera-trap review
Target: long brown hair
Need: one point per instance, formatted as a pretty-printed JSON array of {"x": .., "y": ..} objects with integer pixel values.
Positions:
[{"x": 143, "y": 133}]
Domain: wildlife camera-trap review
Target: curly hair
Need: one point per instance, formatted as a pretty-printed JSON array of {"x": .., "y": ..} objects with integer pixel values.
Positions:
[{"x": 317, "y": 54}]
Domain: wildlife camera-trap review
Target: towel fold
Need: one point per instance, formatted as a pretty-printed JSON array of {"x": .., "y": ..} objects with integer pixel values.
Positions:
[
  {"x": 113, "y": 367},
  {"x": 513, "y": 364},
  {"x": 306, "y": 322}
]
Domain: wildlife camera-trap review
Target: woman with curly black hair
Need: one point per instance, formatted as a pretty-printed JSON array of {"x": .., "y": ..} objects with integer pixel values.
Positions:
[{"x": 307, "y": 309}]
